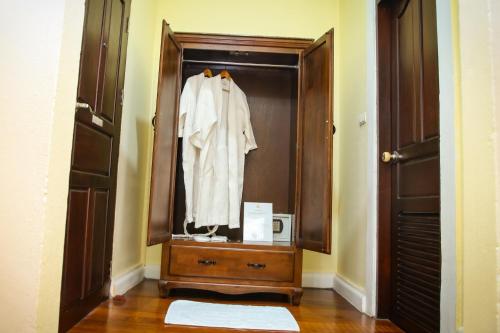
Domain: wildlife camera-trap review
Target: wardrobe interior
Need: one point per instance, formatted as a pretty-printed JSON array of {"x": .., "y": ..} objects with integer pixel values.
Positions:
[{"x": 270, "y": 82}]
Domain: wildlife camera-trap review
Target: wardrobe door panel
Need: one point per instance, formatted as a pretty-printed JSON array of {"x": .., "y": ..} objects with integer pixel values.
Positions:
[
  {"x": 315, "y": 144},
  {"x": 165, "y": 140}
]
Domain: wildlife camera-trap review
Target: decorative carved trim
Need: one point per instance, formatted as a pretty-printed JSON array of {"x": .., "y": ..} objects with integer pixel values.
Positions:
[
  {"x": 294, "y": 294},
  {"x": 242, "y": 43}
]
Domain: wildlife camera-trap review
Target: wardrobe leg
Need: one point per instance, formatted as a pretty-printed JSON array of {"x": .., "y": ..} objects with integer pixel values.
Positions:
[
  {"x": 296, "y": 296},
  {"x": 163, "y": 288}
]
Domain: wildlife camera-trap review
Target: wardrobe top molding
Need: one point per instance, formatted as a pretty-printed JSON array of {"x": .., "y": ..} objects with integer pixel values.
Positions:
[{"x": 242, "y": 43}]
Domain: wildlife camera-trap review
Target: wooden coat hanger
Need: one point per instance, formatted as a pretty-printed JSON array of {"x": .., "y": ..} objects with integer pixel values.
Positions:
[
  {"x": 207, "y": 72},
  {"x": 225, "y": 75}
]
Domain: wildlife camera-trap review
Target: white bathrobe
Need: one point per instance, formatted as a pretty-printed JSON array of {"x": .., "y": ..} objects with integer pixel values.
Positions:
[
  {"x": 223, "y": 133},
  {"x": 190, "y": 153}
]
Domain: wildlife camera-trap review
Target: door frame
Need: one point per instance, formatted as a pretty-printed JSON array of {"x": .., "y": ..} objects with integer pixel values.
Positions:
[{"x": 377, "y": 218}]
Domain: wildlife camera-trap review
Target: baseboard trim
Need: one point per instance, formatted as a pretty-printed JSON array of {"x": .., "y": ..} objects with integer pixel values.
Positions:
[
  {"x": 126, "y": 281},
  {"x": 152, "y": 272},
  {"x": 350, "y": 292},
  {"x": 317, "y": 280}
]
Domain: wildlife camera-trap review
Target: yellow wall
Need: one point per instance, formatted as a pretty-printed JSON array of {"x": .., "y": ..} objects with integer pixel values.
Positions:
[
  {"x": 284, "y": 18},
  {"x": 38, "y": 86},
  {"x": 37, "y": 131},
  {"x": 495, "y": 31},
  {"x": 37, "y": 94},
  {"x": 132, "y": 185},
  {"x": 37, "y": 123},
  {"x": 479, "y": 106},
  {"x": 352, "y": 221}
]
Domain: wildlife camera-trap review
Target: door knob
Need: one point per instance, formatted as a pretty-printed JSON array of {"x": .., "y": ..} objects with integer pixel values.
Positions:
[
  {"x": 391, "y": 157},
  {"x": 80, "y": 105},
  {"x": 96, "y": 119}
]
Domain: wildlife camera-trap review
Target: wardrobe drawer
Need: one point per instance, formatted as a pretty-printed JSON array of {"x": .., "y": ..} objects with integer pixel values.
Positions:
[{"x": 231, "y": 263}]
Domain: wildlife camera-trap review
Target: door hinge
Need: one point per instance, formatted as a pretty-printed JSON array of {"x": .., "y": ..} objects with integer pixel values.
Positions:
[
  {"x": 121, "y": 97},
  {"x": 127, "y": 25}
]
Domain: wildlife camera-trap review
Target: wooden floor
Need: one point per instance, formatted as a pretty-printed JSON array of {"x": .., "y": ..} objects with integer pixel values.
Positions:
[{"x": 141, "y": 310}]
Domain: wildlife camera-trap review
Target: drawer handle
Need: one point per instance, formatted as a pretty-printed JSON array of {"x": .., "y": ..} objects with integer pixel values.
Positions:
[
  {"x": 256, "y": 266},
  {"x": 207, "y": 262}
]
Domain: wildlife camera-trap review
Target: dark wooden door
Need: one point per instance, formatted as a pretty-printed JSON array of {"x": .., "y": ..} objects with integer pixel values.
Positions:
[
  {"x": 92, "y": 184},
  {"x": 409, "y": 170},
  {"x": 161, "y": 201},
  {"x": 314, "y": 214}
]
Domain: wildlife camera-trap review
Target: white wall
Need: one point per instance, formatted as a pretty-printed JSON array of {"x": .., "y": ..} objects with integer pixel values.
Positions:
[
  {"x": 449, "y": 123},
  {"x": 40, "y": 43}
]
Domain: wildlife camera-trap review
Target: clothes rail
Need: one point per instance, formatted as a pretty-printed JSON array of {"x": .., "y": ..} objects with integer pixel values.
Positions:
[{"x": 229, "y": 63}]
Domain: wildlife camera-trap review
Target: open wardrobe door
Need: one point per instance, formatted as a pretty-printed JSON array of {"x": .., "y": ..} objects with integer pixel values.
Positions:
[
  {"x": 165, "y": 140},
  {"x": 315, "y": 136}
]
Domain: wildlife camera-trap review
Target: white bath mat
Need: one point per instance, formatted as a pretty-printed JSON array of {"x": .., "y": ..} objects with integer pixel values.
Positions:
[{"x": 190, "y": 313}]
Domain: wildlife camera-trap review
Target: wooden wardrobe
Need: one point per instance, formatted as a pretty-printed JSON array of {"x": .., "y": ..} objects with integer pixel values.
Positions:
[{"x": 289, "y": 85}]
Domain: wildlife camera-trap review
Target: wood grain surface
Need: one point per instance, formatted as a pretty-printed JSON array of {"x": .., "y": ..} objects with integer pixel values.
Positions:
[{"x": 141, "y": 310}]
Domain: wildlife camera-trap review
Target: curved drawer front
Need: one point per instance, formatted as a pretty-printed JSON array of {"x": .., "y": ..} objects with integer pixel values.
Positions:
[{"x": 231, "y": 263}]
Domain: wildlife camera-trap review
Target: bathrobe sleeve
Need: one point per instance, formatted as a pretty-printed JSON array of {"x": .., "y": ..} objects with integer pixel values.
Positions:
[
  {"x": 186, "y": 105},
  {"x": 247, "y": 126}
]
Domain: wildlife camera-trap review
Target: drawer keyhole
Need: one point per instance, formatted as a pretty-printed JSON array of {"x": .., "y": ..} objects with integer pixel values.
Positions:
[
  {"x": 256, "y": 266},
  {"x": 206, "y": 262}
]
